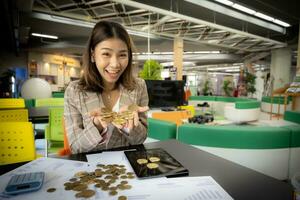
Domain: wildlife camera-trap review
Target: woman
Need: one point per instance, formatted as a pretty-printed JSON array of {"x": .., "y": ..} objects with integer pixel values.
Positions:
[{"x": 107, "y": 82}]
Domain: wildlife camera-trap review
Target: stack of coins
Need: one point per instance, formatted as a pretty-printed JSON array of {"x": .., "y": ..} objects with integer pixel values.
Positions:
[
  {"x": 111, "y": 178},
  {"x": 118, "y": 118}
]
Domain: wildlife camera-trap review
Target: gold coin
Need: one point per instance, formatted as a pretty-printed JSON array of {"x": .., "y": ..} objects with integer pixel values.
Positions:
[
  {"x": 133, "y": 107},
  {"x": 105, "y": 110},
  {"x": 113, "y": 192},
  {"x": 100, "y": 165},
  {"x": 108, "y": 119},
  {"x": 154, "y": 159},
  {"x": 51, "y": 190},
  {"x": 142, "y": 161},
  {"x": 122, "y": 198},
  {"x": 130, "y": 176},
  {"x": 80, "y": 187},
  {"x": 127, "y": 187},
  {"x": 73, "y": 179},
  {"x": 85, "y": 194},
  {"x": 81, "y": 174},
  {"x": 152, "y": 165},
  {"x": 123, "y": 177}
]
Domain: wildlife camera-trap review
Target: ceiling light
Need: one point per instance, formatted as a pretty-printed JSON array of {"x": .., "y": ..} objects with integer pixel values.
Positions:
[
  {"x": 244, "y": 9},
  {"x": 44, "y": 36},
  {"x": 226, "y": 2},
  {"x": 277, "y": 21},
  {"x": 263, "y": 16}
]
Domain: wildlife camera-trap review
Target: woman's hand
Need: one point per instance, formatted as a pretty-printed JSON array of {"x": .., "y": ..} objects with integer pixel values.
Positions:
[
  {"x": 133, "y": 120},
  {"x": 99, "y": 121}
]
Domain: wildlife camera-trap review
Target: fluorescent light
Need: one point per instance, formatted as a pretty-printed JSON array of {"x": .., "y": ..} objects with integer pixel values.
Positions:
[
  {"x": 277, "y": 21},
  {"x": 44, "y": 36},
  {"x": 263, "y": 16},
  {"x": 226, "y": 2},
  {"x": 141, "y": 34},
  {"x": 251, "y": 12},
  {"x": 244, "y": 9}
]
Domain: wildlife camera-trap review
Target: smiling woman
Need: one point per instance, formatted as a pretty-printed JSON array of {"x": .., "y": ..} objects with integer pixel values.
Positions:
[{"x": 106, "y": 107}]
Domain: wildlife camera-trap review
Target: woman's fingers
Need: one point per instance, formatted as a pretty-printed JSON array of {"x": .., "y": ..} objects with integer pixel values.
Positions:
[
  {"x": 143, "y": 109},
  {"x": 130, "y": 124},
  {"x": 135, "y": 119},
  {"x": 95, "y": 113}
]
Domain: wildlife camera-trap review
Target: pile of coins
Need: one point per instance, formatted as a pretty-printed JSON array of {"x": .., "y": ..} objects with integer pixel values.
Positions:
[
  {"x": 118, "y": 118},
  {"x": 150, "y": 165},
  {"x": 110, "y": 178}
]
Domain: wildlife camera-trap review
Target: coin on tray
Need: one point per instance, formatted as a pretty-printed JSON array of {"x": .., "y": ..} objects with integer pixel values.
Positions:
[
  {"x": 154, "y": 159},
  {"x": 142, "y": 161},
  {"x": 152, "y": 165}
]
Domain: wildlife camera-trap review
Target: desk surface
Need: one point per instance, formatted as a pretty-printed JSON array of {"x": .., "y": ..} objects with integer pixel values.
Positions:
[{"x": 240, "y": 182}]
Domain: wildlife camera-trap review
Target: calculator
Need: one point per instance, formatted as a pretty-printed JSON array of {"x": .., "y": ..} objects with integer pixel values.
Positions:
[{"x": 22, "y": 183}]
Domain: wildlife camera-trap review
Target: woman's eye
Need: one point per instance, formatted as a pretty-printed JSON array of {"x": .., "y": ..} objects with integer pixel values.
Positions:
[
  {"x": 105, "y": 54},
  {"x": 123, "y": 55}
]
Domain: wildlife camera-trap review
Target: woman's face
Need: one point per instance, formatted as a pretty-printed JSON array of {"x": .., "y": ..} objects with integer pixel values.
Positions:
[{"x": 111, "y": 58}]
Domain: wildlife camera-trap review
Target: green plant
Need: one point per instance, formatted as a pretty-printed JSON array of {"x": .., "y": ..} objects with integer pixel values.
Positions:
[
  {"x": 206, "y": 88},
  {"x": 227, "y": 87},
  {"x": 151, "y": 70},
  {"x": 250, "y": 82}
]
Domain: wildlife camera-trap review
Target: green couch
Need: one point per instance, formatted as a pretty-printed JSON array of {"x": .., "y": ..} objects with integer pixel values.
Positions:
[{"x": 271, "y": 150}]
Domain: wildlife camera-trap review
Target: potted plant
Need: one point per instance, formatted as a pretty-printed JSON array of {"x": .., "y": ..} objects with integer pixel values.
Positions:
[
  {"x": 206, "y": 90},
  {"x": 151, "y": 70},
  {"x": 227, "y": 88},
  {"x": 250, "y": 83}
]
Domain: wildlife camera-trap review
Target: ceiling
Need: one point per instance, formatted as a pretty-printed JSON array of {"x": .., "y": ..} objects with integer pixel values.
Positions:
[{"x": 201, "y": 28}]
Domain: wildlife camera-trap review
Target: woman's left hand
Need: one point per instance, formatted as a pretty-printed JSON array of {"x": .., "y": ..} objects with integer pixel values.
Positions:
[{"x": 131, "y": 122}]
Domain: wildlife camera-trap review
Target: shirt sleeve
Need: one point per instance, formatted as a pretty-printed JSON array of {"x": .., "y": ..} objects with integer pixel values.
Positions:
[{"x": 81, "y": 138}]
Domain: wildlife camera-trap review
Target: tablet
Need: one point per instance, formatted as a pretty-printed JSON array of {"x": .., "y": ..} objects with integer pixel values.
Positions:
[{"x": 148, "y": 163}]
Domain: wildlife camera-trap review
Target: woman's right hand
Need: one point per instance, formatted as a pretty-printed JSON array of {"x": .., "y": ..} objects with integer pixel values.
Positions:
[{"x": 98, "y": 119}]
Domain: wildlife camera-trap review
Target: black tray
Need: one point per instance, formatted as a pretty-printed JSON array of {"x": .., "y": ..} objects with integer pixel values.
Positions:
[{"x": 167, "y": 166}]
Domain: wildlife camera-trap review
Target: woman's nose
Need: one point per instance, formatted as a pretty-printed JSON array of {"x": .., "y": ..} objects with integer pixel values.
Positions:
[{"x": 114, "y": 61}]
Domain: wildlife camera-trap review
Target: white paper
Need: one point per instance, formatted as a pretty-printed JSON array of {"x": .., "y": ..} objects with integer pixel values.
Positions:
[{"x": 59, "y": 171}]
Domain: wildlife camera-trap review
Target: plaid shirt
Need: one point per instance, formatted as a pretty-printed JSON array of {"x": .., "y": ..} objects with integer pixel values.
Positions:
[{"x": 83, "y": 136}]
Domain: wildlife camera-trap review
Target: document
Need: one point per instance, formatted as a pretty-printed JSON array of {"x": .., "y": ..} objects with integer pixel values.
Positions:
[{"x": 59, "y": 171}]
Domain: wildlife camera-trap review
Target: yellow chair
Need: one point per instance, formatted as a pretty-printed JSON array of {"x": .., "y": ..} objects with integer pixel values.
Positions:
[
  {"x": 190, "y": 108},
  {"x": 16, "y": 142},
  {"x": 14, "y": 115},
  {"x": 10, "y": 103}
]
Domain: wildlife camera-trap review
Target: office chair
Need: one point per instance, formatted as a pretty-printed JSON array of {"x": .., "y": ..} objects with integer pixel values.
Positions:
[
  {"x": 14, "y": 115},
  {"x": 54, "y": 131},
  {"x": 49, "y": 102},
  {"x": 11, "y": 103},
  {"x": 16, "y": 142}
]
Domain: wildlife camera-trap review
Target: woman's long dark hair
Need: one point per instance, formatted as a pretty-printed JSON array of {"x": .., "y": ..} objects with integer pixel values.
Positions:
[{"x": 91, "y": 80}]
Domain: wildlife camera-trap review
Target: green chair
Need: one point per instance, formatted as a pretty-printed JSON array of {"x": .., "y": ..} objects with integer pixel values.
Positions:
[
  {"x": 49, "y": 102},
  {"x": 161, "y": 130},
  {"x": 54, "y": 131}
]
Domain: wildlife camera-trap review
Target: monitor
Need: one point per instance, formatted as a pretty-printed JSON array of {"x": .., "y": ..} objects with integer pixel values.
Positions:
[{"x": 165, "y": 93}]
